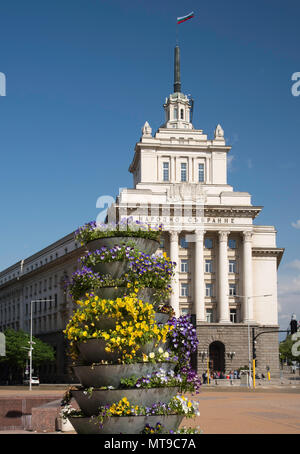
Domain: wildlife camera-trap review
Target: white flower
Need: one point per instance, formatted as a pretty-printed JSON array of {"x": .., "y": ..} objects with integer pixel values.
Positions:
[{"x": 152, "y": 355}]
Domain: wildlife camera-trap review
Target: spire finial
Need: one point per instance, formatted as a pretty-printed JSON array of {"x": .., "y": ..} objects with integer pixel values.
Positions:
[{"x": 177, "y": 82}]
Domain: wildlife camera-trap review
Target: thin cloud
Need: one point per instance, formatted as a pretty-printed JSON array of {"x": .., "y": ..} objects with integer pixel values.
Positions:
[
  {"x": 296, "y": 224},
  {"x": 249, "y": 164},
  {"x": 289, "y": 296},
  {"x": 295, "y": 264},
  {"x": 230, "y": 160}
]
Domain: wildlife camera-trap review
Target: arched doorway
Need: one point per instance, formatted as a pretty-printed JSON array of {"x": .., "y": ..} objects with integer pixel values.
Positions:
[{"x": 217, "y": 356}]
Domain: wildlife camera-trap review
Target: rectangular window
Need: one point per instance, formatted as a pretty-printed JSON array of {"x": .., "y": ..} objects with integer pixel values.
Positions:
[
  {"x": 208, "y": 266},
  {"x": 208, "y": 290},
  {"x": 162, "y": 243},
  {"x": 208, "y": 243},
  {"x": 183, "y": 243},
  {"x": 183, "y": 171},
  {"x": 232, "y": 289},
  {"x": 233, "y": 317},
  {"x": 201, "y": 173},
  {"x": 232, "y": 244},
  {"x": 184, "y": 266},
  {"x": 209, "y": 315},
  {"x": 185, "y": 311},
  {"x": 175, "y": 113},
  {"x": 165, "y": 171},
  {"x": 184, "y": 290},
  {"x": 232, "y": 266}
]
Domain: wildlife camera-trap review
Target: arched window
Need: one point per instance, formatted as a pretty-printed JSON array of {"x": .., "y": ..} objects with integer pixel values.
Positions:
[{"x": 181, "y": 114}]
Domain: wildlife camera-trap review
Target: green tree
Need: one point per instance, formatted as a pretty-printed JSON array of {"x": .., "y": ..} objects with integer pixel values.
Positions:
[
  {"x": 17, "y": 356},
  {"x": 285, "y": 350}
]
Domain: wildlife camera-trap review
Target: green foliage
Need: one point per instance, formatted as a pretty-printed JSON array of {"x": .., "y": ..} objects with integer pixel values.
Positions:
[
  {"x": 285, "y": 350},
  {"x": 17, "y": 356}
]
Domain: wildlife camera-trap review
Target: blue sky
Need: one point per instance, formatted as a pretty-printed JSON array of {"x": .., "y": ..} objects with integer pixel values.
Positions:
[{"x": 83, "y": 76}]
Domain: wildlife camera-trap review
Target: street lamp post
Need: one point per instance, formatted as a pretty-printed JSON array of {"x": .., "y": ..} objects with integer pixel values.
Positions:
[
  {"x": 30, "y": 341},
  {"x": 248, "y": 322}
]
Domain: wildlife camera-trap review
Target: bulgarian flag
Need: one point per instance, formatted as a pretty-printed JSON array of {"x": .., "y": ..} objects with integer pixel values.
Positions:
[{"x": 184, "y": 18}]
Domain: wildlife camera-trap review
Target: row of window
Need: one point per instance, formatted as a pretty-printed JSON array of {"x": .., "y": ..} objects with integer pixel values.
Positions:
[
  {"x": 209, "y": 243},
  {"x": 183, "y": 172},
  {"x": 39, "y": 287},
  {"x": 45, "y": 323},
  {"x": 12, "y": 312},
  {"x": 42, "y": 305},
  {"x": 209, "y": 290},
  {"x": 184, "y": 266},
  {"x": 210, "y": 315}
]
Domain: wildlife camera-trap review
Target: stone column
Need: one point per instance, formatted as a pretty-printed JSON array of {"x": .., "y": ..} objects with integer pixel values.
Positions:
[
  {"x": 174, "y": 256},
  {"x": 223, "y": 302},
  {"x": 247, "y": 312},
  {"x": 199, "y": 277},
  {"x": 172, "y": 170}
]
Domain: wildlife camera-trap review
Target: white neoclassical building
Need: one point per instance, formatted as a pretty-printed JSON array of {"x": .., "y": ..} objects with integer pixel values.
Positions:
[{"x": 226, "y": 273}]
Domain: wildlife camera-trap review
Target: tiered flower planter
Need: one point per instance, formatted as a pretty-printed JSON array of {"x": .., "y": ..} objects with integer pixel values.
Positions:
[{"x": 91, "y": 372}]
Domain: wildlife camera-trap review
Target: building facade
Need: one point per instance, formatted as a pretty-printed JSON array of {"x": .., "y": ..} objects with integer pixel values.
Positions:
[
  {"x": 226, "y": 272},
  {"x": 36, "y": 287}
]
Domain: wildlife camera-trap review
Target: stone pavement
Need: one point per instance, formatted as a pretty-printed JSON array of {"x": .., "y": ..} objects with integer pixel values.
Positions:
[
  {"x": 263, "y": 411},
  {"x": 236, "y": 410}
]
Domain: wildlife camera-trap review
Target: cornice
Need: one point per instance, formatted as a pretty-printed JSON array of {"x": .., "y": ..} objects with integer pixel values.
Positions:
[
  {"x": 209, "y": 211},
  {"x": 268, "y": 252},
  {"x": 182, "y": 146},
  {"x": 64, "y": 259}
]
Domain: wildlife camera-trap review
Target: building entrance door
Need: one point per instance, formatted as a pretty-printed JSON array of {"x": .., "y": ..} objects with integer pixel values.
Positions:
[{"x": 217, "y": 356}]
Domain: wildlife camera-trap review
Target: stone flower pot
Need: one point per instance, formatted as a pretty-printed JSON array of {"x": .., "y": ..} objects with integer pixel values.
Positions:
[
  {"x": 110, "y": 374},
  {"x": 112, "y": 293},
  {"x": 124, "y": 424},
  {"x": 105, "y": 323},
  {"x": 114, "y": 269},
  {"x": 93, "y": 351},
  {"x": 145, "y": 245},
  {"x": 161, "y": 318},
  {"x": 90, "y": 404}
]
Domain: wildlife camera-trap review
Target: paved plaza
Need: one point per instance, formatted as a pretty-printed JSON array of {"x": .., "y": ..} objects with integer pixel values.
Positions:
[
  {"x": 272, "y": 410},
  {"x": 263, "y": 411}
]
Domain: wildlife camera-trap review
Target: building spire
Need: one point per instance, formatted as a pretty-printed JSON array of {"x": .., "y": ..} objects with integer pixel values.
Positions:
[{"x": 177, "y": 82}]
